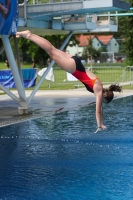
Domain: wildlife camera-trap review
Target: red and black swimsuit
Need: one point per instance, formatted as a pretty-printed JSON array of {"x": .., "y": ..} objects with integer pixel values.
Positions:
[{"x": 81, "y": 75}]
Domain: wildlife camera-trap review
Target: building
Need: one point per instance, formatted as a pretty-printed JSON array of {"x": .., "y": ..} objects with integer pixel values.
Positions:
[{"x": 109, "y": 43}]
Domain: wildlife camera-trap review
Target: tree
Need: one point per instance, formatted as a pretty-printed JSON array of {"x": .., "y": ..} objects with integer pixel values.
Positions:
[{"x": 126, "y": 32}]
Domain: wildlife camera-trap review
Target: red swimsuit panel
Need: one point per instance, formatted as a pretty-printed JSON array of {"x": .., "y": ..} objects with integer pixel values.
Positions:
[{"x": 82, "y": 76}]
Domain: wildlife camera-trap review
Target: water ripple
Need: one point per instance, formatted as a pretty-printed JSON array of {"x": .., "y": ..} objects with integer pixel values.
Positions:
[{"x": 60, "y": 158}]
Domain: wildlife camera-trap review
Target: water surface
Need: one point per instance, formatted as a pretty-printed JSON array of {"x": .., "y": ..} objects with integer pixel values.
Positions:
[{"x": 60, "y": 158}]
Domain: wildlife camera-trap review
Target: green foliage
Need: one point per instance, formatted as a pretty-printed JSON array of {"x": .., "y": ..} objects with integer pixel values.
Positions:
[
  {"x": 126, "y": 32},
  {"x": 90, "y": 51},
  {"x": 40, "y": 1},
  {"x": 20, "y": 1}
]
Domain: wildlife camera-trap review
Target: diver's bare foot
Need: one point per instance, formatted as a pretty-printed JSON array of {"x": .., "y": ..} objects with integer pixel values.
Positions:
[{"x": 24, "y": 34}]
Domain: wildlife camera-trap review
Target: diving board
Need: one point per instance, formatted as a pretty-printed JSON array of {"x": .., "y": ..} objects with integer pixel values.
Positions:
[
  {"x": 39, "y": 16},
  {"x": 40, "y": 11}
]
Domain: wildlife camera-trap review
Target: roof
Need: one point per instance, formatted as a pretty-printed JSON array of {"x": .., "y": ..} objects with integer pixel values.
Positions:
[
  {"x": 105, "y": 39},
  {"x": 83, "y": 39}
]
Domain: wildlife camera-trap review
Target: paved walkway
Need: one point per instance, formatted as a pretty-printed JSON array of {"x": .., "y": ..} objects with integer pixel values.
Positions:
[{"x": 48, "y": 102}]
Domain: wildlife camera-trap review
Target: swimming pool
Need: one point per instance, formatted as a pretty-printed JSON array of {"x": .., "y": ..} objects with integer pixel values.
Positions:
[{"x": 60, "y": 158}]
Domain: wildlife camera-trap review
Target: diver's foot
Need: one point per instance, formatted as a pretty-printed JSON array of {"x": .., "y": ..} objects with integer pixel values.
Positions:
[{"x": 24, "y": 34}]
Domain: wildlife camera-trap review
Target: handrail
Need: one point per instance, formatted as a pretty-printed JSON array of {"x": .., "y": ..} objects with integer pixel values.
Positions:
[{"x": 49, "y": 1}]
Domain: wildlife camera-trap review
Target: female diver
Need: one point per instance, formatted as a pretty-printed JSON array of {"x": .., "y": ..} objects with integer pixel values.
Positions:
[{"x": 73, "y": 65}]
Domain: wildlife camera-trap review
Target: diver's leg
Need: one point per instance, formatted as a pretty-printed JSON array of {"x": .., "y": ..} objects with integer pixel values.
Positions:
[{"x": 63, "y": 59}]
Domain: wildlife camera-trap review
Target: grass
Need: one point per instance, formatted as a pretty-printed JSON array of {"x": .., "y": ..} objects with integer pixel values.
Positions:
[
  {"x": 127, "y": 87},
  {"x": 3, "y": 65},
  {"x": 106, "y": 75}
]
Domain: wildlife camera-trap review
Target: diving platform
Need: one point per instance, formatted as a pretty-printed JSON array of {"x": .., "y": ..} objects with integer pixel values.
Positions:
[
  {"x": 41, "y": 11},
  {"x": 69, "y": 16}
]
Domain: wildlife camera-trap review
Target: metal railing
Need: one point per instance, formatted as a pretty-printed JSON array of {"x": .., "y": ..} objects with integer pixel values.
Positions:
[
  {"x": 103, "y": 20},
  {"x": 107, "y": 75},
  {"x": 48, "y": 1}
]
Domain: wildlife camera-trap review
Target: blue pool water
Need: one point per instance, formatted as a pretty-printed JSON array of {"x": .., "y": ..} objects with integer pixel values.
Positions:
[{"x": 60, "y": 158}]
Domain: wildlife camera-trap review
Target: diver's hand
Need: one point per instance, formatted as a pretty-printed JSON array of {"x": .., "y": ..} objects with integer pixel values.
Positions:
[
  {"x": 102, "y": 128},
  {"x": 98, "y": 129},
  {"x": 24, "y": 34}
]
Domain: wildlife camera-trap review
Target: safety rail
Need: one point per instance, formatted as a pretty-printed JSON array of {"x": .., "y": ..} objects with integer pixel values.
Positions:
[
  {"x": 48, "y": 7},
  {"x": 48, "y": 1},
  {"x": 68, "y": 22},
  {"x": 107, "y": 75},
  {"x": 47, "y": 10}
]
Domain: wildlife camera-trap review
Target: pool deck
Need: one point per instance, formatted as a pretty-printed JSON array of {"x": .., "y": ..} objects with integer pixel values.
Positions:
[{"x": 48, "y": 102}]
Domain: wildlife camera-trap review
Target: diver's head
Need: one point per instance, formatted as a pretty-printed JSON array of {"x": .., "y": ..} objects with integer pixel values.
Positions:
[{"x": 108, "y": 94}]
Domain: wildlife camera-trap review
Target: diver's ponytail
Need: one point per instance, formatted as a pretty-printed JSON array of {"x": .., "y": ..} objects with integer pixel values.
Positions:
[{"x": 115, "y": 88}]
